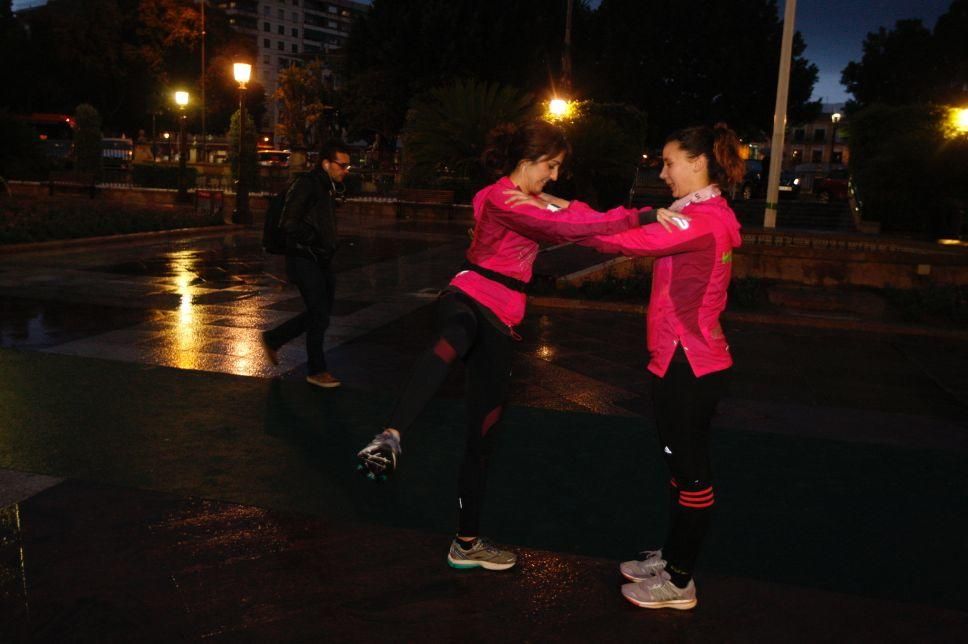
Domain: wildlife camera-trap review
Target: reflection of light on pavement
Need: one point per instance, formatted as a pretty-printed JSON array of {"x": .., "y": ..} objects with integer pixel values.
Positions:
[
  {"x": 546, "y": 352},
  {"x": 221, "y": 348},
  {"x": 186, "y": 335},
  {"x": 11, "y": 532}
]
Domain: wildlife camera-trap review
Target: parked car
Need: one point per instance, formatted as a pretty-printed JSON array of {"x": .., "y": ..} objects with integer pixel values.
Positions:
[
  {"x": 832, "y": 187},
  {"x": 755, "y": 183},
  {"x": 273, "y": 158}
]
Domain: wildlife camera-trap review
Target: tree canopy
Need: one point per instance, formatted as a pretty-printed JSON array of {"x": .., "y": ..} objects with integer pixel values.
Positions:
[
  {"x": 125, "y": 57},
  {"x": 681, "y": 63},
  {"x": 913, "y": 64}
]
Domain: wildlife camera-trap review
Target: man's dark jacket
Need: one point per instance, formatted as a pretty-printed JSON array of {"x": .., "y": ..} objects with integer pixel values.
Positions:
[{"x": 309, "y": 217}]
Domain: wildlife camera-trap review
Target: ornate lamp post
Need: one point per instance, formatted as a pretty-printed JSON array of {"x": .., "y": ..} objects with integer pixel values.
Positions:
[
  {"x": 181, "y": 99},
  {"x": 834, "y": 120},
  {"x": 241, "y": 214}
]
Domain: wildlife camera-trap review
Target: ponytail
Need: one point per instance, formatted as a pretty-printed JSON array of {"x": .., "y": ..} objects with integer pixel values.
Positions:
[{"x": 721, "y": 147}]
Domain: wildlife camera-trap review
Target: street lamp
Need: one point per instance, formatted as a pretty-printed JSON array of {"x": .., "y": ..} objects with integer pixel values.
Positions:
[
  {"x": 241, "y": 214},
  {"x": 834, "y": 120},
  {"x": 181, "y": 99}
]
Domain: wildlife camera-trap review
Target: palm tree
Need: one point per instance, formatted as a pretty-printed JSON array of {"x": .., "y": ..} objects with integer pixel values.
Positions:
[{"x": 447, "y": 128}]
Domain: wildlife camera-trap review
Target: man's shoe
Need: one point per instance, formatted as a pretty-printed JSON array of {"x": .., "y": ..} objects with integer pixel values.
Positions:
[
  {"x": 323, "y": 379},
  {"x": 379, "y": 459},
  {"x": 271, "y": 354},
  {"x": 644, "y": 569},
  {"x": 660, "y": 592},
  {"x": 483, "y": 554}
]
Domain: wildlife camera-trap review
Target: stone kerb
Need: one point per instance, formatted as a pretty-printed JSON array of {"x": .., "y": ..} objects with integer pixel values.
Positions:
[{"x": 818, "y": 259}]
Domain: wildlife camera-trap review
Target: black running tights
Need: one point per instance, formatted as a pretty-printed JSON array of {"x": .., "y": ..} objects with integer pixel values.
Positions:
[
  {"x": 684, "y": 407},
  {"x": 463, "y": 333}
]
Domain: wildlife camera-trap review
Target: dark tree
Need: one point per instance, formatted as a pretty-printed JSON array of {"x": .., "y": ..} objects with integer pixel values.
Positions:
[
  {"x": 689, "y": 63},
  {"x": 402, "y": 48},
  {"x": 898, "y": 67},
  {"x": 125, "y": 57}
]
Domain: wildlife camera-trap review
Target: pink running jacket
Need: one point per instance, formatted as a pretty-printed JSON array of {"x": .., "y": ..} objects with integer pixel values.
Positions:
[
  {"x": 689, "y": 282},
  {"x": 506, "y": 241}
]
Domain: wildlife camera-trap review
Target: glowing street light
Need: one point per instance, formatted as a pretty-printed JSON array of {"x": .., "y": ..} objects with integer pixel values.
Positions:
[
  {"x": 241, "y": 214},
  {"x": 181, "y": 99},
  {"x": 560, "y": 109},
  {"x": 959, "y": 119},
  {"x": 834, "y": 120}
]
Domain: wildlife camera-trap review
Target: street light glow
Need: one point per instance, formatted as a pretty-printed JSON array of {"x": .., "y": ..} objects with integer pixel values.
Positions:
[
  {"x": 242, "y": 72},
  {"x": 561, "y": 110},
  {"x": 959, "y": 118},
  {"x": 181, "y": 98}
]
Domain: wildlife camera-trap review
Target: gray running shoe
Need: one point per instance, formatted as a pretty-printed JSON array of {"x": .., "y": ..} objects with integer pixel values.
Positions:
[
  {"x": 660, "y": 592},
  {"x": 644, "y": 569},
  {"x": 379, "y": 459},
  {"x": 483, "y": 554}
]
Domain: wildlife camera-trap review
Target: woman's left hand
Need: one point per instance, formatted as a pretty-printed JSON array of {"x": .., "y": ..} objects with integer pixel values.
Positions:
[
  {"x": 516, "y": 198},
  {"x": 672, "y": 220}
]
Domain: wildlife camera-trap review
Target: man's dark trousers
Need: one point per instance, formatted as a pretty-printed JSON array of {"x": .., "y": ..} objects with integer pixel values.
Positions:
[{"x": 317, "y": 285}]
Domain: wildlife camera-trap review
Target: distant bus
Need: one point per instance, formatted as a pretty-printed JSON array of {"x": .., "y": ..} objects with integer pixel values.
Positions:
[
  {"x": 117, "y": 153},
  {"x": 55, "y": 132}
]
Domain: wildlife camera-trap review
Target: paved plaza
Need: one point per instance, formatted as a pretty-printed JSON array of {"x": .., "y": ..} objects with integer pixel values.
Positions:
[{"x": 161, "y": 481}]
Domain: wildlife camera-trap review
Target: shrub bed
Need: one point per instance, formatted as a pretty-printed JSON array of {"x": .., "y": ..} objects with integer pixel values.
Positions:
[{"x": 25, "y": 220}]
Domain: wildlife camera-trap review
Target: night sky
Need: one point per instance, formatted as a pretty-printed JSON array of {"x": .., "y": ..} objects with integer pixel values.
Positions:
[{"x": 834, "y": 31}]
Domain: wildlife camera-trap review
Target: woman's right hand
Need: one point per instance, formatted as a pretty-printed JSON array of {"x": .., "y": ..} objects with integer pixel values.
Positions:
[{"x": 516, "y": 198}]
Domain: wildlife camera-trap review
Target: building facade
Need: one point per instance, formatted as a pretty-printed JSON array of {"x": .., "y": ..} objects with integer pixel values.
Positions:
[
  {"x": 289, "y": 32},
  {"x": 819, "y": 142}
]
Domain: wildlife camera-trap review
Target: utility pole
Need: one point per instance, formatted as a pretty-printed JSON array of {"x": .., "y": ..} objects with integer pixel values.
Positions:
[
  {"x": 203, "y": 155},
  {"x": 566, "y": 53},
  {"x": 779, "y": 116}
]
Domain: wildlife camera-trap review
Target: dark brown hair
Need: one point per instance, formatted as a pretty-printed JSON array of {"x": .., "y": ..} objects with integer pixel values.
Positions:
[
  {"x": 721, "y": 147},
  {"x": 508, "y": 144}
]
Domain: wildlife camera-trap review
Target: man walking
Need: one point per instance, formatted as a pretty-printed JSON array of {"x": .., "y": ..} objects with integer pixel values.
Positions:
[{"x": 309, "y": 222}]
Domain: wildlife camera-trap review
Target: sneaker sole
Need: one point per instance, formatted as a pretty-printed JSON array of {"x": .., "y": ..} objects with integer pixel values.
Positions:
[
  {"x": 487, "y": 565},
  {"x": 326, "y": 385},
  {"x": 677, "y": 604}
]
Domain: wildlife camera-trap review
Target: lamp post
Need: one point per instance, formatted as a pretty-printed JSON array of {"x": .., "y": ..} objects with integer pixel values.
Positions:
[
  {"x": 241, "y": 214},
  {"x": 834, "y": 120},
  {"x": 181, "y": 99}
]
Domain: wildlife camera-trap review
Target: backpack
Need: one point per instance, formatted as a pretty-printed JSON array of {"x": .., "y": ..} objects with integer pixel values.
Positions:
[{"x": 273, "y": 234}]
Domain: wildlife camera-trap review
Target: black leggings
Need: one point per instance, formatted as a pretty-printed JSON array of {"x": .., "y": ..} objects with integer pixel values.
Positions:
[
  {"x": 463, "y": 332},
  {"x": 684, "y": 407}
]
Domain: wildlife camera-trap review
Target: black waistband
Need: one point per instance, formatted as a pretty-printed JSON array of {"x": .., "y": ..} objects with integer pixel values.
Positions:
[{"x": 500, "y": 278}]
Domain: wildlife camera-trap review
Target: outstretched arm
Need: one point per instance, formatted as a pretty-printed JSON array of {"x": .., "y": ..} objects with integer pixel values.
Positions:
[{"x": 529, "y": 216}]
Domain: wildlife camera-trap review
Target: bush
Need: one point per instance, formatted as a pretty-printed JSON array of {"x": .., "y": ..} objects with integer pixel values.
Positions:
[
  {"x": 31, "y": 220},
  {"x": 160, "y": 176},
  {"x": 21, "y": 156},
  {"x": 87, "y": 140},
  {"x": 908, "y": 169}
]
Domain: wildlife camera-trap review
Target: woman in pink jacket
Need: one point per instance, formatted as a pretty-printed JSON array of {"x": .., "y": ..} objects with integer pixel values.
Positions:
[
  {"x": 476, "y": 315},
  {"x": 689, "y": 353}
]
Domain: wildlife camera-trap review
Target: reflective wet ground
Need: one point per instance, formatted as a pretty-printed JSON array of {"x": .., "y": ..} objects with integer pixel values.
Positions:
[{"x": 163, "y": 482}]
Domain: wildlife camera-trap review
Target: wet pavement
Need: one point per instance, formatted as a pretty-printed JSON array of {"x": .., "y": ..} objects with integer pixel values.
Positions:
[{"x": 162, "y": 482}]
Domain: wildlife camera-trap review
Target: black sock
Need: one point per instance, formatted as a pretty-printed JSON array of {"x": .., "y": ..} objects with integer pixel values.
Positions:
[
  {"x": 466, "y": 545},
  {"x": 679, "y": 578}
]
